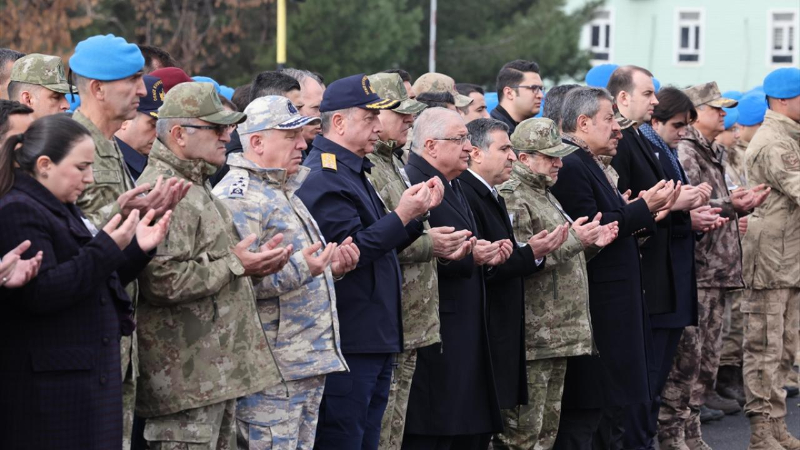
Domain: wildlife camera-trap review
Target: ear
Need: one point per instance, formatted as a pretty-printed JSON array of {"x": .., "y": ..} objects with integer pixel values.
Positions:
[
  {"x": 476, "y": 155},
  {"x": 97, "y": 90},
  {"x": 430, "y": 148},
  {"x": 125, "y": 125},
  {"x": 178, "y": 135},
  {"x": 508, "y": 93},
  {"x": 43, "y": 164},
  {"x": 26, "y": 98},
  {"x": 623, "y": 98},
  {"x": 338, "y": 122},
  {"x": 583, "y": 123},
  {"x": 256, "y": 144}
]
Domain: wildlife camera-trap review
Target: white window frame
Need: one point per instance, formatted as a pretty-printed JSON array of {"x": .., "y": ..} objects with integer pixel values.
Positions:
[
  {"x": 605, "y": 24},
  {"x": 771, "y": 25},
  {"x": 693, "y": 36}
]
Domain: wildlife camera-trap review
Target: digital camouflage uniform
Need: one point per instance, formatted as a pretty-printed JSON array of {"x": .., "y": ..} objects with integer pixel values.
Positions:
[
  {"x": 200, "y": 338},
  {"x": 42, "y": 70},
  {"x": 557, "y": 322},
  {"x": 420, "y": 288},
  {"x": 772, "y": 266},
  {"x": 99, "y": 203},
  {"x": 718, "y": 258},
  {"x": 297, "y": 310}
]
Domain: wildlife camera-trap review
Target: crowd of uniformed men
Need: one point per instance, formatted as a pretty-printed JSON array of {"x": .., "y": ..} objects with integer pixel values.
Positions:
[{"x": 373, "y": 263}]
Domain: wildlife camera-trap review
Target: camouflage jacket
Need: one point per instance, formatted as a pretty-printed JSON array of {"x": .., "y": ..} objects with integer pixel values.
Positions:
[
  {"x": 733, "y": 161},
  {"x": 772, "y": 243},
  {"x": 99, "y": 204},
  {"x": 718, "y": 254},
  {"x": 200, "y": 338},
  {"x": 298, "y": 311},
  {"x": 557, "y": 322},
  {"x": 420, "y": 294}
]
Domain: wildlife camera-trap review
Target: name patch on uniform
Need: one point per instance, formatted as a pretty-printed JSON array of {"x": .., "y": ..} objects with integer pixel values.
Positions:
[
  {"x": 329, "y": 161},
  {"x": 790, "y": 161}
]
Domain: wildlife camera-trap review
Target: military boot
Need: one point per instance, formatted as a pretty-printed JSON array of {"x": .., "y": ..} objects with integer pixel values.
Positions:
[
  {"x": 761, "y": 437},
  {"x": 729, "y": 383},
  {"x": 697, "y": 443},
  {"x": 782, "y": 435},
  {"x": 726, "y": 405},
  {"x": 707, "y": 414},
  {"x": 673, "y": 443}
]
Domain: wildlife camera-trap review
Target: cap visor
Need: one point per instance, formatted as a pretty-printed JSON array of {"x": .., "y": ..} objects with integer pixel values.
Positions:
[
  {"x": 61, "y": 88},
  {"x": 723, "y": 102},
  {"x": 225, "y": 117},
  {"x": 381, "y": 104},
  {"x": 557, "y": 151},
  {"x": 410, "y": 106},
  {"x": 463, "y": 101},
  {"x": 296, "y": 122}
]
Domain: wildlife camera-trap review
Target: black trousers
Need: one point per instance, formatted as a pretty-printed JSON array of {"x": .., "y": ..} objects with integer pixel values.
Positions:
[
  {"x": 460, "y": 442},
  {"x": 640, "y": 422},
  {"x": 577, "y": 427}
]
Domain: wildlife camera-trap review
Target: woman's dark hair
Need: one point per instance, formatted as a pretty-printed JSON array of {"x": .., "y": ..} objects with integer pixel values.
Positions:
[
  {"x": 672, "y": 101},
  {"x": 51, "y": 136}
]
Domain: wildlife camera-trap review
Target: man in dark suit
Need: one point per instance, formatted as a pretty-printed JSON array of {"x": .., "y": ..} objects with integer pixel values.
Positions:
[
  {"x": 489, "y": 166},
  {"x": 453, "y": 403},
  {"x": 618, "y": 376},
  {"x": 344, "y": 204}
]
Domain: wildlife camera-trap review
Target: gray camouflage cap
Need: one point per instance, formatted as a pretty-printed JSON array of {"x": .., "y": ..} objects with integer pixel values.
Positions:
[
  {"x": 43, "y": 70},
  {"x": 708, "y": 94},
  {"x": 537, "y": 135},
  {"x": 197, "y": 101},
  {"x": 390, "y": 86},
  {"x": 439, "y": 82},
  {"x": 273, "y": 112}
]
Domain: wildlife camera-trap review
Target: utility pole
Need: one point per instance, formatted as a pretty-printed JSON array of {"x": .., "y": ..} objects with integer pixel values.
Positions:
[
  {"x": 281, "y": 38},
  {"x": 432, "y": 42}
]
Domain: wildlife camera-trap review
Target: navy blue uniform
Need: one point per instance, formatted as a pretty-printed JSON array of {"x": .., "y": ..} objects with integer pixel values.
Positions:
[{"x": 368, "y": 299}]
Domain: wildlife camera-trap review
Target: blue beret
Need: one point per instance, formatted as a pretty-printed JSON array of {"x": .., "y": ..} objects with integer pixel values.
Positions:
[
  {"x": 657, "y": 84},
  {"x": 598, "y": 76},
  {"x": 735, "y": 95},
  {"x": 226, "y": 91},
  {"x": 783, "y": 83},
  {"x": 106, "y": 58},
  {"x": 752, "y": 108},
  {"x": 731, "y": 117},
  {"x": 200, "y": 79}
]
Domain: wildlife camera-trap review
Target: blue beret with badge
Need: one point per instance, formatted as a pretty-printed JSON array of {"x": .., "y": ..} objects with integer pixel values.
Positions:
[
  {"x": 354, "y": 91},
  {"x": 783, "y": 83},
  {"x": 106, "y": 58}
]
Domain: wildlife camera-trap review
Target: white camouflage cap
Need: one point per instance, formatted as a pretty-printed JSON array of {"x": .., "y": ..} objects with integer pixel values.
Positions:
[{"x": 273, "y": 112}]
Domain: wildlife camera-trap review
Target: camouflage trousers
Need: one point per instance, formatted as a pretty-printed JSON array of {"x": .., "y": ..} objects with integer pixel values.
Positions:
[
  {"x": 535, "y": 425},
  {"x": 129, "y": 358},
  {"x": 294, "y": 423},
  {"x": 206, "y": 428},
  {"x": 694, "y": 368},
  {"x": 394, "y": 419},
  {"x": 733, "y": 329},
  {"x": 771, "y": 321}
]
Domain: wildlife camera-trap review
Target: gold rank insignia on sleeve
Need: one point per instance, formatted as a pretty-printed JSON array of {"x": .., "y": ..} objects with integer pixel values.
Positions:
[{"x": 329, "y": 161}]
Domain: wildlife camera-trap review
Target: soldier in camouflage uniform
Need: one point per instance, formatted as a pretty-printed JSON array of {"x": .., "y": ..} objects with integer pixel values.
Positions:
[
  {"x": 439, "y": 82},
  {"x": 718, "y": 259},
  {"x": 117, "y": 72},
  {"x": 772, "y": 264},
  {"x": 297, "y": 305},
  {"x": 420, "y": 293},
  {"x": 557, "y": 322},
  {"x": 200, "y": 339},
  {"x": 38, "y": 82}
]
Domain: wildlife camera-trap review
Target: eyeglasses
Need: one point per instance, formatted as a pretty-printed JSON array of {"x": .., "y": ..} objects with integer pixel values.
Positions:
[
  {"x": 458, "y": 139},
  {"x": 533, "y": 87},
  {"x": 219, "y": 129}
]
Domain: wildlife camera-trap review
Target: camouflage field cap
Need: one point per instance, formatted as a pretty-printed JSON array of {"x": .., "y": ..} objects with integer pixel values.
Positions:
[
  {"x": 273, "y": 112},
  {"x": 708, "y": 94},
  {"x": 390, "y": 86},
  {"x": 439, "y": 82},
  {"x": 43, "y": 70},
  {"x": 197, "y": 101},
  {"x": 540, "y": 136}
]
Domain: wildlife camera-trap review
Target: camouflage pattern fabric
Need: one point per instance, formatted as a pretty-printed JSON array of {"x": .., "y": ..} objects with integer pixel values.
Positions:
[
  {"x": 535, "y": 425},
  {"x": 393, "y": 424},
  {"x": 733, "y": 161},
  {"x": 557, "y": 297},
  {"x": 694, "y": 369},
  {"x": 293, "y": 421},
  {"x": 210, "y": 427},
  {"x": 771, "y": 322},
  {"x": 390, "y": 86},
  {"x": 733, "y": 329},
  {"x": 718, "y": 254},
  {"x": 439, "y": 82},
  {"x": 540, "y": 136},
  {"x": 42, "y": 70},
  {"x": 200, "y": 337},
  {"x": 708, "y": 94}
]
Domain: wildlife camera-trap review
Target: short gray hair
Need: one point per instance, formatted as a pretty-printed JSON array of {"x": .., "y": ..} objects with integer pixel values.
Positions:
[
  {"x": 300, "y": 75},
  {"x": 15, "y": 88},
  {"x": 582, "y": 101},
  {"x": 163, "y": 127},
  {"x": 327, "y": 117},
  {"x": 81, "y": 82},
  {"x": 481, "y": 130},
  {"x": 431, "y": 123},
  {"x": 555, "y": 101}
]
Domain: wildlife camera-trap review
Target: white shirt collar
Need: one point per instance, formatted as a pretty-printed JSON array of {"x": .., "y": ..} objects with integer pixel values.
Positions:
[{"x": 480, "y": 178}]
